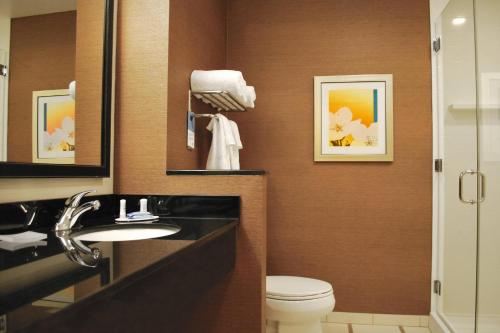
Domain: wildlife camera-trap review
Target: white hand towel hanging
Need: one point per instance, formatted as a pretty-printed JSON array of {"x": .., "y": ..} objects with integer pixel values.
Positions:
[
  {"x": 226, "y": 143},
  {"x": 234, "y": 150}
]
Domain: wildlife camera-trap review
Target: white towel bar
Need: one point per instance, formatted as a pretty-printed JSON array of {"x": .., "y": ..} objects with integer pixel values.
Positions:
[{"x": 203, "y": 115}]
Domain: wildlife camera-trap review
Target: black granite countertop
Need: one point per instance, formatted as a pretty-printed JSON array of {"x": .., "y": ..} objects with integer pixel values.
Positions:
[
  {"x": 199, "y": 218},
  {"x": 191, "y": 229}
]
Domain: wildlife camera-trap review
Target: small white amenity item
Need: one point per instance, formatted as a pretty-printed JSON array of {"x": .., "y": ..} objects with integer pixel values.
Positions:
[
  {"x": 297, "y": 304},
  {"x": 123, "y": 209},
  {"x": 143, "y": 205},
  {"x": 142, "y": 216},
  {"x": 23, "y": 237}
]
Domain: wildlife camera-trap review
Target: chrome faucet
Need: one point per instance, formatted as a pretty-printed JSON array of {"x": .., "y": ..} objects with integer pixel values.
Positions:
[{"x": 73, "y": 210}]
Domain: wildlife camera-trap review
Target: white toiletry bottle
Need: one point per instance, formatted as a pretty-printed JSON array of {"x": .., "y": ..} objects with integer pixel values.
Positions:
[
  {"x": 143, "y": 204},
  {"x": 123, "y": 209}
]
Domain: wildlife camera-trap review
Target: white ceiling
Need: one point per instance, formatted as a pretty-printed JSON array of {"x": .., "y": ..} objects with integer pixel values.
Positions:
[{"x": 21, "y": 8}]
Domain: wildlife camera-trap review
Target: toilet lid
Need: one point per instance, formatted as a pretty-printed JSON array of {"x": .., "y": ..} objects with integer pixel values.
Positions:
[{"x": 296, "y": 287}]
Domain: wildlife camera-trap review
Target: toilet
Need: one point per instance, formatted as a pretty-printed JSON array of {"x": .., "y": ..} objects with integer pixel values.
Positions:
[{"x": 297, "y": 304}]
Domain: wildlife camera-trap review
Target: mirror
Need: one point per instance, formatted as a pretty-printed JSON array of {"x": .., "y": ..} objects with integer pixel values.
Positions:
[{"x": 55, "y": 87}]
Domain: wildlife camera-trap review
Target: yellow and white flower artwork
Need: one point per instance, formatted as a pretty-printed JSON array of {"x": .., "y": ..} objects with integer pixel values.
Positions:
[{"x": 344, "y": 131}]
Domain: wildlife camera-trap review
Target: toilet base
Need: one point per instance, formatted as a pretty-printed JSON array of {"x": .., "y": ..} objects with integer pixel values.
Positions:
[{"x": 284, "y": 327}]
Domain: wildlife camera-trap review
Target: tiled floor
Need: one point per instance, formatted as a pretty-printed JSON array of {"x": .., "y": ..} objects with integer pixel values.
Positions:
[{"x": 356, "y": 328}]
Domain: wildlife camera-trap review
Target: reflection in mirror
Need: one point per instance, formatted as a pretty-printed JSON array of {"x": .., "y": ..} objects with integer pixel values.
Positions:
[{"x": 51, "y": 55}]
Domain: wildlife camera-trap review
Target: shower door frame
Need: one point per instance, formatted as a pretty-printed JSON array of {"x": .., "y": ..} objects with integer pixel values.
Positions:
[{"x": 437, "y": 321}]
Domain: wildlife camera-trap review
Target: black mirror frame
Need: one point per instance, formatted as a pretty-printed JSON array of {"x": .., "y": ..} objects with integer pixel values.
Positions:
[{"x": 30, "y": 170}]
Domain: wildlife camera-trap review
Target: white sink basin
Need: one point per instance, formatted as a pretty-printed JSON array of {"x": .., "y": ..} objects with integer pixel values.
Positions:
[{"x": 125, "y": 232}]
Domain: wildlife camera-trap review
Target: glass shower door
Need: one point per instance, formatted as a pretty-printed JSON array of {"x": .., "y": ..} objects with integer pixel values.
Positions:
[
  {"x": 487, "y": 17},
  {"x": 457, "y": 193}
]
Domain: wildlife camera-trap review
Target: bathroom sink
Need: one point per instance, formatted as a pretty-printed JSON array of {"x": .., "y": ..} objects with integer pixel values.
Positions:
[{"x": 128, "y": 232}]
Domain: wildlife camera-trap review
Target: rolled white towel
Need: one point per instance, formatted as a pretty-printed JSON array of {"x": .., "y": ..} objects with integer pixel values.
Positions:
[
  {"x": 250, "y": 97},
  {"x": 223, "y": 80}
]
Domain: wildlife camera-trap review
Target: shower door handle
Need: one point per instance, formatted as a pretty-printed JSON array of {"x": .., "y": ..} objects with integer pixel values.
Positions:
[
  {"x": 481, "y": 188},
  {"x": 461, "y": 186}
]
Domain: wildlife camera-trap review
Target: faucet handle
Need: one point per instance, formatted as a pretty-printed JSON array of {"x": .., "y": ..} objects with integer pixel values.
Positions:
[{"x": 74, "y": 201}]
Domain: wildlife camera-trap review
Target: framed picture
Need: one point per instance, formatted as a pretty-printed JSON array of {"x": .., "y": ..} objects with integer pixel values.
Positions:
[
  {"x": 353, "y": 118},
  {"x": 53, "y": 127}
]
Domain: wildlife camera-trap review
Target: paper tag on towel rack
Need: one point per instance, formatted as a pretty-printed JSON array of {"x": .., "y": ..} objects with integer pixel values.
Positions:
[{"x": 191, "y": 127}]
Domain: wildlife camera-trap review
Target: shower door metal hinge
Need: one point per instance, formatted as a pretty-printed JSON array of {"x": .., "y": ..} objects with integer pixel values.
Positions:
[
  {"x": 3, "y": 70},
  {"x": 436, "y": 44},
  {"x": 437, "y": 287},
  {"x": 438, "y": 165}
]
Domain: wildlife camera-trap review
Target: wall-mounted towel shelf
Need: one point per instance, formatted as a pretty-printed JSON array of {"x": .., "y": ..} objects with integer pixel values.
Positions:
[{"x": 221, "y": 100}]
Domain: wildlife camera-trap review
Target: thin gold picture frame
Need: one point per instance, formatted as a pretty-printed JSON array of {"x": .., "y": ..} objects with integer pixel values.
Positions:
[{"x": 319, "y": 156}]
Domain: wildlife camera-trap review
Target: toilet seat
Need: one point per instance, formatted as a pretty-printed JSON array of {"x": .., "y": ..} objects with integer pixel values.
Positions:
[
  {"x": 293, "y": 288},
  {"x": 299, "y": 298},
  {"x": 297, "y": 304}
]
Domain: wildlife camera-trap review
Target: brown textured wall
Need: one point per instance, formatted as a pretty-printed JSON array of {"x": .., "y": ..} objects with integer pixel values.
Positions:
[
  {"x": 365, "y": 227},
  {"x": 140, "y": 162},
  {"x": 42, "y": 57},
  {"x": 89, "y": 62},
  {"x": 197, "y": 40}
]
